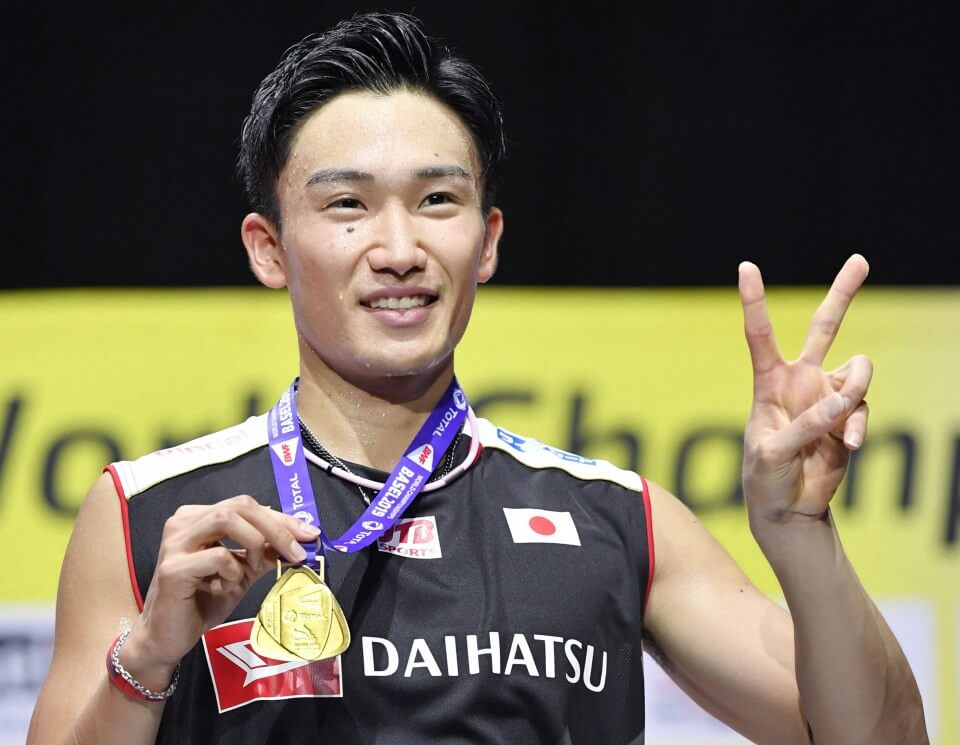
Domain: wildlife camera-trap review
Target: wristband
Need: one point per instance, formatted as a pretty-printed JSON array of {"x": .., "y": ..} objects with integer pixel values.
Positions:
[{"x": 119, "y": 677}]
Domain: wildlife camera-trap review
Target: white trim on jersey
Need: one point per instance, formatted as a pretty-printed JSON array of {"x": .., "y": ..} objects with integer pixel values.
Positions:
[
  {"x": 218, "y": 447},
  {"x": 536, "y": 454}
]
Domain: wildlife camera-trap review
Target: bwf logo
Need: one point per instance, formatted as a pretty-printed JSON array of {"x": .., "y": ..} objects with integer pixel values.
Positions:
[
  {"x": 286, "y": 451},
  {"x": 422, "y": 456},
  {"x": 414, "y": 538}
]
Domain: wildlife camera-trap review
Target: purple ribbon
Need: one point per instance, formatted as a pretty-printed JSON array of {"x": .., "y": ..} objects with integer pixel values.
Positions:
[{"x": 406, "y": 481}]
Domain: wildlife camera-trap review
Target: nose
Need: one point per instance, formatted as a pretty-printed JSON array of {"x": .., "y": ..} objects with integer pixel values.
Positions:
[{"x": 397, "y": 248}]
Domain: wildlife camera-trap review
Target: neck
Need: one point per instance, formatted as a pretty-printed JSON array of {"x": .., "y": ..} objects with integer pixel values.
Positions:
[{"x": 370, "y": 422}]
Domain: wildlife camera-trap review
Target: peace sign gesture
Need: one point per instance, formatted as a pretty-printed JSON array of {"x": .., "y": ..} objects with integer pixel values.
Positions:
[{"x": 804, "y": 420}]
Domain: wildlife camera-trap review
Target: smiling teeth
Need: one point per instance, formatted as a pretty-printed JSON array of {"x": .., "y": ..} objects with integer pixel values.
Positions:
[{"x": 400, "y": 303}]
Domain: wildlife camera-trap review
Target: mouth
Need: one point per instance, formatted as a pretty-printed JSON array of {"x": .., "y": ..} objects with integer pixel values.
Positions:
[
  {"x": 402, "y": 300},
  {"x": 399, "y": 302}
]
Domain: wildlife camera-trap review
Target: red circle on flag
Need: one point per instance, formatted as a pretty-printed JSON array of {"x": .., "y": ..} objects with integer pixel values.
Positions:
[{"x": 542, "y": 525}]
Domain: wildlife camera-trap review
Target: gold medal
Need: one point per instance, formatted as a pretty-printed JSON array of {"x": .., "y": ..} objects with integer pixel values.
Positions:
[{"x": 300, "y": 619}]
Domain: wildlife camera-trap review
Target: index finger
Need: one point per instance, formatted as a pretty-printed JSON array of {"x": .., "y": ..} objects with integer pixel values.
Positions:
[
  {"x": 826, "y": 321},
  {"x": 284, "y": 532},
  {"x": 244, "y": 520},
  {"x": 761, "y": 340}
]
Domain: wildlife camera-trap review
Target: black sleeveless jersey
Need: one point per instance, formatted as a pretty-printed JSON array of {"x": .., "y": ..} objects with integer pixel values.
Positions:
[{"x": 504, "y": 607}]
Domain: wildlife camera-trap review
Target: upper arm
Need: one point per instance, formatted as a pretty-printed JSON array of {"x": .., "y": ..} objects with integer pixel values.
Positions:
[
  {"x": 719, "y": 638},
  {"x": 93, "y": 595}
]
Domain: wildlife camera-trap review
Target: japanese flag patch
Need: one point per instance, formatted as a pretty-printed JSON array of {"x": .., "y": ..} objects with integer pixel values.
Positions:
[{"x": 541, "y": 526}]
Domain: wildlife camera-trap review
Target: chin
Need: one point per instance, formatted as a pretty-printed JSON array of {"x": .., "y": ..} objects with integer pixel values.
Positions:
[{"x": 405, "y": 364}]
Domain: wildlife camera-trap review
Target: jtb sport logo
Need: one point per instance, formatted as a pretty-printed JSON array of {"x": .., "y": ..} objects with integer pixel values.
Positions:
[
  {"x": 415, "y": 538},
  {"x": 241, "y": 676}
]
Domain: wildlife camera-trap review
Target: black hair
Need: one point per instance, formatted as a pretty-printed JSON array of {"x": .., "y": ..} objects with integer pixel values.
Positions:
[{"x": 379, "y": 52}]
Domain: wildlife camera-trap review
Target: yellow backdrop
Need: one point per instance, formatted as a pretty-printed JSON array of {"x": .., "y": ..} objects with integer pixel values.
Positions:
[{"x": 657, "y": 380}]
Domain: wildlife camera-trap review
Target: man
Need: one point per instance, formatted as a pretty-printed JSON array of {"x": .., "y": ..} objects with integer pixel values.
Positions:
[{"x": 370, "y": 157}]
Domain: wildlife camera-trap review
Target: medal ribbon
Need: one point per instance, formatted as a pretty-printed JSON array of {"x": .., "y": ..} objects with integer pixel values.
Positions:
[{"x": 406, "y": 481}]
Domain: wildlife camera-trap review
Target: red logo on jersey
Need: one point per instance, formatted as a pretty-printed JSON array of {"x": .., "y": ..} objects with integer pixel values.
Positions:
[
  {"x": 415, "y": 538},
  {"x": 241, "y": 676}
]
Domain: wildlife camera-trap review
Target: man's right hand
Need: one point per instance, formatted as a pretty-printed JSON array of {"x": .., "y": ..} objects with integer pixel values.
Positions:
[
  {"x": 198, "y": 581},
  {"x": 196, "y": 584}
]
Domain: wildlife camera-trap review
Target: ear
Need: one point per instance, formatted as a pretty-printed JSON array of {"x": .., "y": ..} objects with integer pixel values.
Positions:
[
  {"x": 489, "y": 254},
  {"x": 264, "y": 249}
]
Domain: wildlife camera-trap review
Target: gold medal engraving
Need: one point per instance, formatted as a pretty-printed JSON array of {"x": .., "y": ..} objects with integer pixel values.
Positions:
[{"x": 300, "y": 619}]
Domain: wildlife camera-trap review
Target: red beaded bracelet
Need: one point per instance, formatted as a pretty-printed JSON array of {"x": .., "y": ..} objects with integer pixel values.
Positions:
[{"x": 118, "y": 676}]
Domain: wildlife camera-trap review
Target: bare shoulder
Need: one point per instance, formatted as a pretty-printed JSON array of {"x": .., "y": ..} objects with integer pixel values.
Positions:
[
  {"x": 690, "y": 562},
  {"x": 684, "y": 546},
  {"x": 93, "y": 594},
  {"x": 96, "y": 558}
]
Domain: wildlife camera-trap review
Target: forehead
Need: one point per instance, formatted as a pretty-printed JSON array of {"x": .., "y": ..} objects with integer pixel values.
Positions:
[{"x": 380, "y": 134}]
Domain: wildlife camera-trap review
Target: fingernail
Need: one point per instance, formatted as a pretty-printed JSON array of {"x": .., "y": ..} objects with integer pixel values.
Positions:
[
  {"x": 853, "y": 440},
  {"x": 834, "y": 405},
  {"x": 297, "y": 551},
  {"x": 311, "y": 530}
]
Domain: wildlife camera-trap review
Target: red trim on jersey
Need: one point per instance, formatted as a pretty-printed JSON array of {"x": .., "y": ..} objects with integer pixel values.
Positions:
[
  {"x": 126, "y": 534},
  {"x": 651, "y": 554}
]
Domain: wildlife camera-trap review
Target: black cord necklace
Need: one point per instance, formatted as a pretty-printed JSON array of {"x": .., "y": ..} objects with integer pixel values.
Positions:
[{"x": 317, "y": 447}]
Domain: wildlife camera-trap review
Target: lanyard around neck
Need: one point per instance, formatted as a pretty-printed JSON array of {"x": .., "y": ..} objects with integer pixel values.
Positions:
[{"x": 407, "y": 479}]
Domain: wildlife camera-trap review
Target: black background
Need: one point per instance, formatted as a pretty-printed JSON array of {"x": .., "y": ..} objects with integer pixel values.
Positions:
[{"x": 652, "y": 143}]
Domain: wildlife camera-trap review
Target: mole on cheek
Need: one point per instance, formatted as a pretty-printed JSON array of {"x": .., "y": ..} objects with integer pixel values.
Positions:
[{"x": 349, "y": 230}]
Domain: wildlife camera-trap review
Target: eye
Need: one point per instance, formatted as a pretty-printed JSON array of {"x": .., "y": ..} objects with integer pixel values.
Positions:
[
  {"x": 437, "y": 198},
  {"x": 346, "y": 203}
]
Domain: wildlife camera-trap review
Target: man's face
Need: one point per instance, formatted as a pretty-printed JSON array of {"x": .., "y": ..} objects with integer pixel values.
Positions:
[{"x": 383, "y": 238}]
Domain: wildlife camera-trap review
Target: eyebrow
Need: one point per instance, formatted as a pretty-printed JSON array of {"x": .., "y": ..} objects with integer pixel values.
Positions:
[
  {"x": 337, "y": 175},
  {"x": 333, "y": 175},
  {"x": 441, "y": 172}
]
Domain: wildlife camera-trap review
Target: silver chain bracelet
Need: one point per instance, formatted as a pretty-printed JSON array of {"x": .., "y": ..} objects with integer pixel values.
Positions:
[{"x": 120, "y": 670}]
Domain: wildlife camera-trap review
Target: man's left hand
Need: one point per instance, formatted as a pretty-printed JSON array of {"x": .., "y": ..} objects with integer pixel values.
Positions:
[{"x": 804, "y": 420}]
